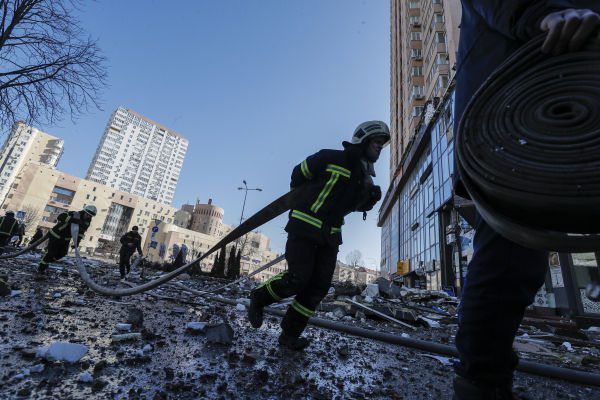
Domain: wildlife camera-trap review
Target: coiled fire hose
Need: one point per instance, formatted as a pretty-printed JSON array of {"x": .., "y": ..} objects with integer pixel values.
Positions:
[
  {"x": 273, "y": 210},
  {"x": 528, "y": 148}
]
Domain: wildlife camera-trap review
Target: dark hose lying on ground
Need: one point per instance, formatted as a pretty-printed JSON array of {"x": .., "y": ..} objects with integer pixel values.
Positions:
[
  {"x": 549, "y": 371},
  {"x": 273, "y": 210},
  {"x": 528, "y": 148},
  {"x": 26, "y": 249}
]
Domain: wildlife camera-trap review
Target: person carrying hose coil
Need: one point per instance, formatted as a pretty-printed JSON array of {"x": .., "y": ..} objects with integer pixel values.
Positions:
[{"x": 503, "y": 277}]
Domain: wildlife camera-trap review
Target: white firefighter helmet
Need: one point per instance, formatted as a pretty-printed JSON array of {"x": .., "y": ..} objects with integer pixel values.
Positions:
[
  {"x": 370, "y": 130},
  {"x": 92, "y": 210}
]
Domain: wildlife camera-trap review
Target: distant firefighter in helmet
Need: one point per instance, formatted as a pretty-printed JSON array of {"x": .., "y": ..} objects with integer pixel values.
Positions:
[
  {"x": 9, "y": 227},
  {"x": 339, "y": 182},
  {"x": 60, "y": 235}
]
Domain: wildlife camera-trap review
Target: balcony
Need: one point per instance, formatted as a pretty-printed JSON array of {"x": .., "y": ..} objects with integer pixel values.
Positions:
[{"x": 59, "y": 144}]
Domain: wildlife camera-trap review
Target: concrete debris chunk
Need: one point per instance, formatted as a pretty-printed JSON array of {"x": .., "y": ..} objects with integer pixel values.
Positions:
[
  {"x": 127, "y": 336},
  {"x": 429, "y": 322},
  {"x": 135, "y": 316},
  {"x": 387, "y": 290},
  {"x": 219, "y": 333},
  {"x": 37, "y": 368},
  {"x": 196, "y": 327},
  {"x": 85, "y": 377},
  {"x": 68, "y": 352},
  {"x": 240, "y": 307},
  {"x": 123, "y": 327},
  {"x": 372, "y": 290},
  {"x": 339, "y": 312}
]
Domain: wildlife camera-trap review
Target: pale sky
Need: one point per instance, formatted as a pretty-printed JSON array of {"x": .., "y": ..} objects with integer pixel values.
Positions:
[{"x": 256, "y": 87}]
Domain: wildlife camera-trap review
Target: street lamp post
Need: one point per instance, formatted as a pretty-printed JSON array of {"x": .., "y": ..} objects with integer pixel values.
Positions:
[{"x": 244, "y": 206}]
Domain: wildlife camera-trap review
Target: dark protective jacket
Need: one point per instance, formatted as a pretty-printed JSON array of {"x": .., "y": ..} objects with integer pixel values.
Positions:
[
  {"x": 131, "y": 237},
  {"x": 9, "y": 226},
  {"x": 62, "y": 230},
  {"x": 38, "y": 235},
  {"x": 335, "y": 188},
  {"x": 490, "y": 32}
]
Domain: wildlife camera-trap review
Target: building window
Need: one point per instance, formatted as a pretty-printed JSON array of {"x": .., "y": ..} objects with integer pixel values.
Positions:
[
  {"x": 417, "y": 110},
  {"x": 415, "y": 36},
  {"x": 416, "y": 71},
  {"x": 45, "y": 219},
  {"x": 144, "y": 222},
  {"x": 418, "y": 90},
  {"x": 440, "y": 37},
  {"x": 438, "y": 18},
  {"x": 94, "y": 199},
  {"x": 413, "y": 4},
  {"x": 121, "y": 197},
  {"x": 142, "y": 230},
  {"x": 130, "y": 199},
  {"x": 94, "y": 189},
  {"x": 416, "y": 53},
  {"x": 6, "y": 174},
  {"x": 87, "y": 197},
  {"x": 154, "y": 207},
  {"x": 138, "y": 220},
  {"x": 147, "y": 213}
]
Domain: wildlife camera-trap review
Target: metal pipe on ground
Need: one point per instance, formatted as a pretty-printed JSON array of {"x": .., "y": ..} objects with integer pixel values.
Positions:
[{"x": 586, "y": 378}]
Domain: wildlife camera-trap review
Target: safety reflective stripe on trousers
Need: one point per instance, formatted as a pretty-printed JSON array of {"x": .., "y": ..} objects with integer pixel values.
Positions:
[
  {"x": 305, "y": 171},
  {"x": 301, "y": 309},
  {"x": 307, "y": 218},
  {"x": 268, "y": 285},
  {"x": 336, "y": 230}
]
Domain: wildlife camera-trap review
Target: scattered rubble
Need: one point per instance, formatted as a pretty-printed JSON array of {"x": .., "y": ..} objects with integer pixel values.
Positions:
[{"x": 183, "y": 346}]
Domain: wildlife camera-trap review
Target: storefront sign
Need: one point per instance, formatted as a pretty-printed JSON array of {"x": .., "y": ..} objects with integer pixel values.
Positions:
[
  {"x": 403, "y": 267},
  {"x": 449, "y": 290},
  {"x": 557, "y": 277}
]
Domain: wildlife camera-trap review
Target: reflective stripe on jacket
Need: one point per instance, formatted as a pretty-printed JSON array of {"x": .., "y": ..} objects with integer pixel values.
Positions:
[
  {"x": 62, "y": 230},
  {"x": 333, "y": 178}
]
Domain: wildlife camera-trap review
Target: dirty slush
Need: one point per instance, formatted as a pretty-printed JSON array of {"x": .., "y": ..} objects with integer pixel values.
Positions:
[{"x": 58, "y": 340}]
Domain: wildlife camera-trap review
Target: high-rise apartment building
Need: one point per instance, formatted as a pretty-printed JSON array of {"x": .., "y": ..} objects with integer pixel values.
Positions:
[
  {"x": 419, "y": 208},
  {"x": 24, "y": 145},
  {"x": 139, "y": 156},
  {"x": 424, "y": 41}
]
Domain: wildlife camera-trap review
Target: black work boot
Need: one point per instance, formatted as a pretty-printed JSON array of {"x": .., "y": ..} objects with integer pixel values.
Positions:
[
  {"x": 41, "y": 269},
  {"x": 467, "y": 390},
  {"x": 255, "y": 311},
  {"x": 295, "y": 343}
]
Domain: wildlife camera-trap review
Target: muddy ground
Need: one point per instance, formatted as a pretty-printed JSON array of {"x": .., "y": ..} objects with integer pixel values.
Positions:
[{"x": 184, "y": 365}]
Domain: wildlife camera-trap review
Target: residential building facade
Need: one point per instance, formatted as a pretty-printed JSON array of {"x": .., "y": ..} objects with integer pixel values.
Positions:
[
  {"x": 418, "y": 205},
  {"x": 138, "y": 156},
  {"x": 24, "y": 145},
  {"x": 427, "y": 234}
]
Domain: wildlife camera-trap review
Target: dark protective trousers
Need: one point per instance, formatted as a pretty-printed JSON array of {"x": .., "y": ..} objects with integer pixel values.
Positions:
[
  {"x": 3, "y": 242},
  {"x": 57, "y": 249},
  {"x": 502, "y": 279},
  {"x": 310, "y": 270},
  {"x": 124, "y": 262}
]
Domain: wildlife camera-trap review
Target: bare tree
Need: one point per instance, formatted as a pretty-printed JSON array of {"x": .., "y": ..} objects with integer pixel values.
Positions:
[
  {"x": 33, "y": 216},
  {"x": 354, "y": 259},
  {"x": 49, "y": 65}
]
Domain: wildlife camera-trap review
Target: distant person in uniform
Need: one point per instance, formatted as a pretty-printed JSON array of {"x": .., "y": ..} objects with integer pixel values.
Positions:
[
  {"x": 131, "y": 241},
  {"x": 8, "y": 227}
]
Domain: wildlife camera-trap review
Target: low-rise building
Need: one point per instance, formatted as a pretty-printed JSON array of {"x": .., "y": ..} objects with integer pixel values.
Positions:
[{"x": 344, "y": 272}]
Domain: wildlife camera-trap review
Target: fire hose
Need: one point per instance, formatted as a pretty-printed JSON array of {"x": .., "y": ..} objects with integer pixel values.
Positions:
[
  {"x": 273, "y": 210},
  {"x": 26, "y": 249},
  {"x": 528, "y": 148}
]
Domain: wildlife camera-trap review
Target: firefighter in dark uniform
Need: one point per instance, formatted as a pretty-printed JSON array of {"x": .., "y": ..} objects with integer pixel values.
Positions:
[
  {"x": 9, "y": 226},
  {"x": 339, "y": 182},
  {"x": 60, "y": 235},
  {"x": 131, "y": 242}
]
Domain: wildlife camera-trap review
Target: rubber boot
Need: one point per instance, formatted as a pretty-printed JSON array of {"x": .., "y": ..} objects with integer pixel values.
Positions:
[
  {"x": 255, "y": 311},
  {"x": 467, "y": 390},
  {"x": 295, "y": 343}
]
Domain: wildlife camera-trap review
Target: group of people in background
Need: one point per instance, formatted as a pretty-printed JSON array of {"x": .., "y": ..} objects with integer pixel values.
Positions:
[{"x": 12, "y": 231}]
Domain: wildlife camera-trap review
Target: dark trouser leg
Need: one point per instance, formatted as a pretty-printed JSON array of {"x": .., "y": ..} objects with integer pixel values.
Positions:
[
  {"x": 3, "y": 242},
  {"x": 301, "y": 256},
  {"x": 124, "y": 263},
  {"x": 57, "y": 249},
  {"x": 502, "y": 280}
]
